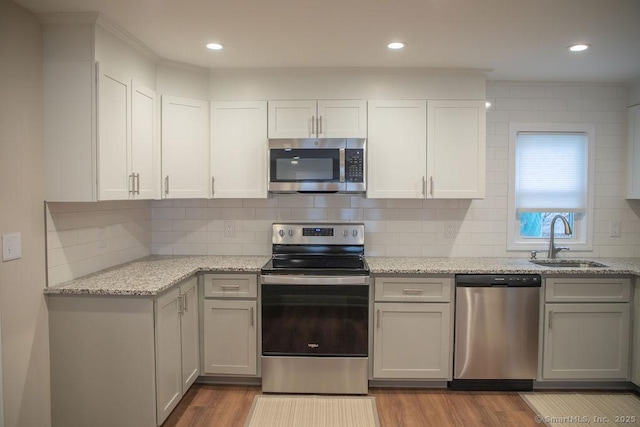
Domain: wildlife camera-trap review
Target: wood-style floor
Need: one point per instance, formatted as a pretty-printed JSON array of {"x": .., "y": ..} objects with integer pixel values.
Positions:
[{"x": 228, "y": 406}]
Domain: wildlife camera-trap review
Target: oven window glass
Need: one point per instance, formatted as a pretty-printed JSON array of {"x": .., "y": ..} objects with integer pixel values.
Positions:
[
  {"x": 321, "y": 320},
  {"x": 299, "y": 165}
]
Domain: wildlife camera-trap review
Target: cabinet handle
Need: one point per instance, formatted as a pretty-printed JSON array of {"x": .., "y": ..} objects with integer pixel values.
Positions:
[
  {"x": 412, "y": 291},
  {"x": 320, "y": 125},
  {"x": 184, "y": 302},
  {"x": 550, "y": 317},
  {"x": 230, "y": 287},
  {"x": 378, "y": 319},
  {"x": 431, "y": 185},
  {"x": 166, "y": 184},
  {"x": 138, "y": 183},
  {"x": 424, "y": 187},
  {"x": 313, "y": 125},
  {"x": 213, "y": 182},
  {"x": 251, "y": 316},
  {"x": 180, "y": 311}
]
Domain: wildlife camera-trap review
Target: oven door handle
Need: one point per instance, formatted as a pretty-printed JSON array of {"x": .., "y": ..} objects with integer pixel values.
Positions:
[{"x": 278, "y": 279}]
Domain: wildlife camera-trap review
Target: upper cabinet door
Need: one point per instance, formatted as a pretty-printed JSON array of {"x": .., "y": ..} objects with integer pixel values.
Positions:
[
  {"x": 143, "y": 143},
  {"x": 114, "y": 94},
  {"x": 342, "y": 119},
  {"x": 292, "y": 119},
  {"x": 185, "y": 148},
  {"x": 633, "y": 153},
  {"x": 239, "y": 149},
  {"x": 456, "y": 153},
  {"x": 397, "y": 149}
]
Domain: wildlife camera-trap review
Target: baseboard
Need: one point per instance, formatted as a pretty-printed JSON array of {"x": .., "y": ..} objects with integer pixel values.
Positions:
[
  {"x": 216, "y": 379},
  {"x": 407, "y": 384},
  {"x": 491, "y": 385}
]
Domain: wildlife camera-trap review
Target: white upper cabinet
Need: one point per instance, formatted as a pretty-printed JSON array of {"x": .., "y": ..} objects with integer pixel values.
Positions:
[
  {"x": 114, "y": 99},
  {"x": 318, "y": 119},
  {"x": 426, "y": 149},
  {"x": 143, "y": 142},
  {"x": 239, "y": 149},
  {"x": 633, "y": 154},
  {"x": 126, "y": 117},
  {"x": 185, "y": 148},
  {"x": 92, "y": 115},
  {"x": 456, "y": 152},
  {"x": 397, "y": 149}
]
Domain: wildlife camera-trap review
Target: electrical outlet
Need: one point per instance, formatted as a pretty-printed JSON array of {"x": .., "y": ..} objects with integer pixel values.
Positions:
[
  {"x": 102, "y": 239},
  {"x": 229, "y": 229},
  {"x": 615, "y": 229},
  {"x": 451, "y": 230}
]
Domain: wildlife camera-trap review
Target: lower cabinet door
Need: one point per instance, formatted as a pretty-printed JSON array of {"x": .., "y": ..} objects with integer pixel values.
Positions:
[
  {"x": 586, "y": 341},
  {"x": 190, "y": 334},
  {"x": 230, "y": 337},
  {"x": 168, "y": 354},
  {"x": 412, "y": 340}
]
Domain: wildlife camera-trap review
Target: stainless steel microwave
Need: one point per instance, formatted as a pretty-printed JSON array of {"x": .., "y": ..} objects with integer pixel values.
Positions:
[{"x": 332, "y": 165}]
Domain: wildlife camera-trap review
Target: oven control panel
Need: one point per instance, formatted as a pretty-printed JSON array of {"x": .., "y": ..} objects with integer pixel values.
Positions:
[{"x": 318, "y": 234}]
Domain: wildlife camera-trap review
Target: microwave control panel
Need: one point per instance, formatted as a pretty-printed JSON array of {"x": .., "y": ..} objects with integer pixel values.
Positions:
[{"x": 354, "y": 165}]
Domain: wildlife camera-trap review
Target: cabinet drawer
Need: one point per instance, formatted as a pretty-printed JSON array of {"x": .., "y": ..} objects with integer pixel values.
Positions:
[
  {"x": 230, "y": 285},
  {"x": 431, "y": 289},
  {"x": 592, "y": 289}
]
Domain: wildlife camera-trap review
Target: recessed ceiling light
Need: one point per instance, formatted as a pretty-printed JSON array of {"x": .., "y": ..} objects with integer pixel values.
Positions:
[
  {"x": 396, "y": 45},
  {"x": 578, "y": 47},
  {"x": 214, "y": 46}
]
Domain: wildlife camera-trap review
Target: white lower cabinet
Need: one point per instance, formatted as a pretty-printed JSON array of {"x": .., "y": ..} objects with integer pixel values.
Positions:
[
  {"x": 635, "y": 377},
  {"x": 412, "y": 338},
  {"x": 230, "y": 324},
  {"x": 122, "y": 360},
  {"x": 177, "y": 345},
  {"x": 587, "y": 340}
]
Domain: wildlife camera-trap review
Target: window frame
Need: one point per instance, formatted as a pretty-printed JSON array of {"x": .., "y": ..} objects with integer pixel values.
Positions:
[{"x": 582, "y": 239}]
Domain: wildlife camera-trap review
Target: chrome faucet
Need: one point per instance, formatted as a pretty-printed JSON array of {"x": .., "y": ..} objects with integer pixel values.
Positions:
[{"x": 553, "y": 250}]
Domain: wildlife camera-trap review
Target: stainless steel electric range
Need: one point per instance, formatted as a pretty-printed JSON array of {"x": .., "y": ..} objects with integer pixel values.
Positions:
[{"x": 315, "y": 310}]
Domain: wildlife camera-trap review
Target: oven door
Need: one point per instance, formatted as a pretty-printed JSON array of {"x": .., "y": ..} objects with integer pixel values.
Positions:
[
  {"x": 313, "y": 165},
  {"x": 315, "y": 316}
]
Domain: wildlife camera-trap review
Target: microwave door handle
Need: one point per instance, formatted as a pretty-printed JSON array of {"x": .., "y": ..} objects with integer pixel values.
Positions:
[{"x": 342, "y": 164}]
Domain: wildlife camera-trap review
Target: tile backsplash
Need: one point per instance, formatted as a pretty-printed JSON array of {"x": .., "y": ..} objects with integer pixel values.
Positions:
[
  {"x": 86, "y": 237},
  {"x": 394, "y": 227}
]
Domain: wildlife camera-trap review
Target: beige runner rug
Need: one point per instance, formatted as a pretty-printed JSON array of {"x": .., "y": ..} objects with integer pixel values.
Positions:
[
  {"x": 585, "y": 409},
  {"x": 313, "y": 411}
]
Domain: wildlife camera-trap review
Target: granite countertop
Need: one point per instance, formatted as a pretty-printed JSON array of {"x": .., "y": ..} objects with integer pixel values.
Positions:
[
  {"x": 396, "y": 265},
  {"x": 153, "y": 275}
]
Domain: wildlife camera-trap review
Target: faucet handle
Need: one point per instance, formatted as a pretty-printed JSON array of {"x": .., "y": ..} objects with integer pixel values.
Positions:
[{"x": 533, "y": 254}]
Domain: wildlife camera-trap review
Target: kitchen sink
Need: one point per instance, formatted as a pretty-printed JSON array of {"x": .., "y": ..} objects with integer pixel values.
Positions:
[{"x": 567, "y": 263}]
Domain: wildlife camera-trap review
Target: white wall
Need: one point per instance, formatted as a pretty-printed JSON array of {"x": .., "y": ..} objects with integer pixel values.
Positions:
[
  {"x": 25, "y": 334},
  {"x": 416, "y": 227}
]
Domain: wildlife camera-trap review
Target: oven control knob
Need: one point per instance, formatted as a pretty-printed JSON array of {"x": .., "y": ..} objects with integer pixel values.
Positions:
[
  {"x": 345, "y": 232},
  {"x": 290, "y": 232},
  {"x": 281, "y": 233},
  {"x": 354, "y": 233}
]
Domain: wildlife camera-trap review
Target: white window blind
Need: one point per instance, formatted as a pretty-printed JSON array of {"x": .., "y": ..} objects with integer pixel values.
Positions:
[{"x": 551, "y": 172}]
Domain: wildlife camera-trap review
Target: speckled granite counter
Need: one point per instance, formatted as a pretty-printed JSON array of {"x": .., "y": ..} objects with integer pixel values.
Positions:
[
  {"x": 153, "y": 275},
  {"x": 393, "y": 265}
]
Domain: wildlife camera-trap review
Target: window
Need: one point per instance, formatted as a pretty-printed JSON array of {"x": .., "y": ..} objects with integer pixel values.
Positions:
[{"x": 550, "y": 174}]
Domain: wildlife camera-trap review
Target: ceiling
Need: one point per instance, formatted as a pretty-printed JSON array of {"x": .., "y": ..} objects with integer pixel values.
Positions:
[{"x": 513, "y": 39}]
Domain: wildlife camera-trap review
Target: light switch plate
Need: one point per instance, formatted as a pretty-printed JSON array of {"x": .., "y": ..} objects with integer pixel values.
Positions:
[{"x": 11, "y": 246}]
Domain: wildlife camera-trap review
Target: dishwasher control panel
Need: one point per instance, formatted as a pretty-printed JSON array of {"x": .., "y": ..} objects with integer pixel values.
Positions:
[{"x": 509, "y": 280}]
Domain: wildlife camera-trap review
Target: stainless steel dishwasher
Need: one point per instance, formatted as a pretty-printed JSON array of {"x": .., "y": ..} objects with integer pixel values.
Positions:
[{"x": 496, "y": 331}]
